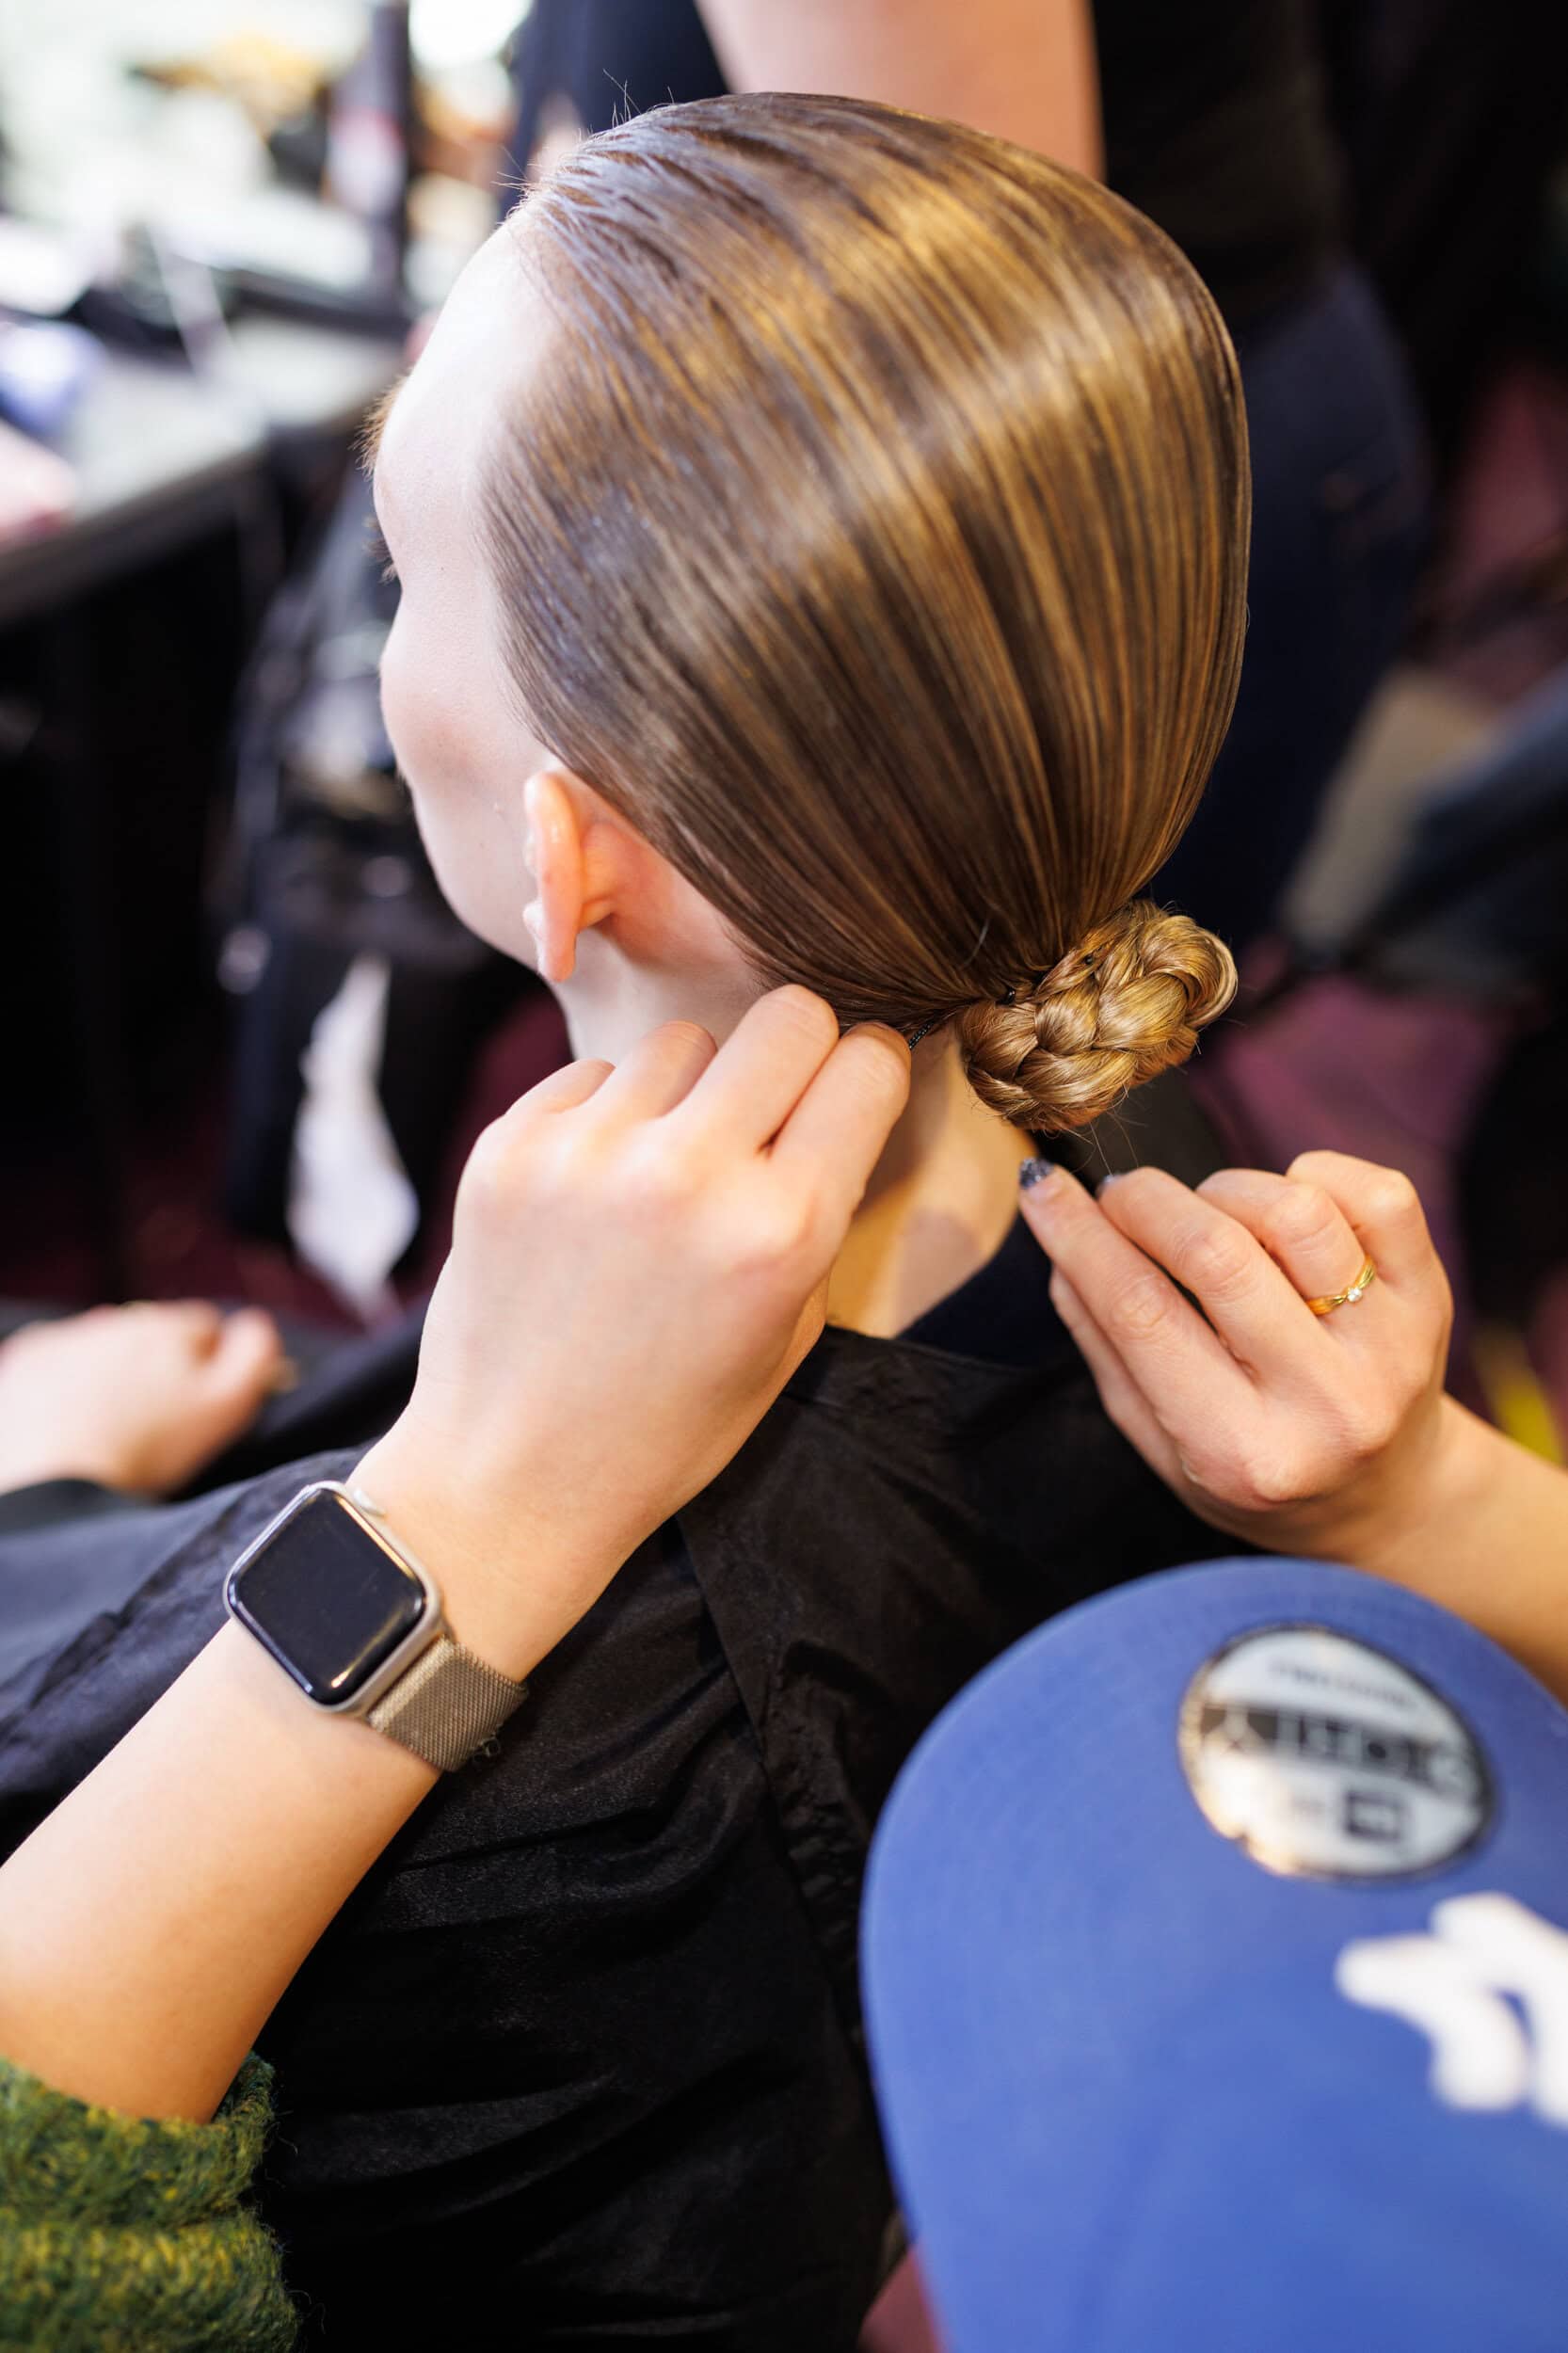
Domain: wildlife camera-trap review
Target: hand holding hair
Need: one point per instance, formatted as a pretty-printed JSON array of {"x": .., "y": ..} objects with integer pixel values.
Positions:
[
  {"x": 638, "y": 1264},
  {"x": 1303, "y": 1407},
  {"x": 639, "y": 1261}
]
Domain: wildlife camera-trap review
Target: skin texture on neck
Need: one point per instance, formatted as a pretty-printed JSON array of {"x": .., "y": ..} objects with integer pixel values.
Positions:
[{"x": 940, "y": 1203}]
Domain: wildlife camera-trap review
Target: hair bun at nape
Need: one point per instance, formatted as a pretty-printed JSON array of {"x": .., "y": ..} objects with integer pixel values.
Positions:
[{"x": 1126, "y": 1002}]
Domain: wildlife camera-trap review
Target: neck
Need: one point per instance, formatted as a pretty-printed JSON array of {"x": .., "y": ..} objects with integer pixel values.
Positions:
[
  {"x": 939, "y": 1204},
  {"x": 941, "y": 1197}
]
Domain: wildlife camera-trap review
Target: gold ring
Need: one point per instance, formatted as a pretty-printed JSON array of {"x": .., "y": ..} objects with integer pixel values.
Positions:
[{"x": 1348, "y": 1297}]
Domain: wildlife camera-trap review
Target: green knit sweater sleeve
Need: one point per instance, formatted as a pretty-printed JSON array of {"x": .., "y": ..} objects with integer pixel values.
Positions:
[{"x": 124, "y": 2235}]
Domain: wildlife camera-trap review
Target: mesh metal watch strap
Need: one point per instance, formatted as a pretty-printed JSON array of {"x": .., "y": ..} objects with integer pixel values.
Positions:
[{"x": 447, "y": 1705}]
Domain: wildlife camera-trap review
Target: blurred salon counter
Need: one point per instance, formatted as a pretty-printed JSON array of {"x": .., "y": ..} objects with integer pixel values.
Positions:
[
  {"x": 163, "y": 455},
  {"x": 124, "y": 634}
]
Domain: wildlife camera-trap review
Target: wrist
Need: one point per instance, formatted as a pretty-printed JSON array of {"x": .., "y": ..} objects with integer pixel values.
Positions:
[
  {"x": 24, "y": 1466},
  {"x": 1437, "y": 1500},
  {"x": 511, "y": 1585}
]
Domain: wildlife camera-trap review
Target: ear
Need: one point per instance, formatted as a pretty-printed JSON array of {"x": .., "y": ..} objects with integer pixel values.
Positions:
[{"x": 557, "y": 852}]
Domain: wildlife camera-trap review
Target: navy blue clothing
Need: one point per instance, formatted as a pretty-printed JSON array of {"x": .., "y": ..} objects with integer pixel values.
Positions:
[{"x": 1339, "y": 530}]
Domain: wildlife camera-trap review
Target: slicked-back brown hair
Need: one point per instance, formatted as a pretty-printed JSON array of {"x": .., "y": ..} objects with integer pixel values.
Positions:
[{"x": 872, "y": 534}]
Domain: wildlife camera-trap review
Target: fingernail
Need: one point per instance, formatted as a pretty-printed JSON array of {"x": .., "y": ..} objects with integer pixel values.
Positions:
[
  {"x": 1111, "y": 1177},
  {"x": 1035, "y": 1173}
]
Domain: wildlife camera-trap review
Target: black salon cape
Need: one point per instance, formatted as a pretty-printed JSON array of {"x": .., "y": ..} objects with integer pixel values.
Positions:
[{"x": 580, "y": 2065}]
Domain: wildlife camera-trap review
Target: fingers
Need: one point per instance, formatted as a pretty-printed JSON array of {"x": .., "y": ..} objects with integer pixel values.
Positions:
[
  {"x": 487, "y": 1172},
  {"x": 659, "y": 1072},
  {"x": 194, "y": 1324},
  {"x": 1261, "y": 1315},
  {"x": 248, "y": 1355},
  {"x": 1123, "y": 1399},
  {"x": 235, "y": 1381},
  {"x": 565, "y": 1088},
  {"x": 1161, "y": 1339},
  {"x": 1384, "y": 1210},
  {"x": 1300, "y": 1225},
  {"x": 763, "y": 1068},
  {"x": 834, "y": 1136}
]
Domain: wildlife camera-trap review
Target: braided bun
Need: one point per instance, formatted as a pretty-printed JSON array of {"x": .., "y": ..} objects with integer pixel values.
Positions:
[{"x": 1125, "y": 1003}]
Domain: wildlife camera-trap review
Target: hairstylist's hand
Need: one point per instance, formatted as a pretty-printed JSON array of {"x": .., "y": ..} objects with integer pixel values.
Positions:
[
  {"x": 638, "y": 1264},
  {"x": 1303, "y": 1433}
]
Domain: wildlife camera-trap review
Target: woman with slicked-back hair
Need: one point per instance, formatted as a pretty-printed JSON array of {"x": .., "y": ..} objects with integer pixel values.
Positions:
[
  {"x": 823, "y": 541},
  {"x": 868, "y": 530}
]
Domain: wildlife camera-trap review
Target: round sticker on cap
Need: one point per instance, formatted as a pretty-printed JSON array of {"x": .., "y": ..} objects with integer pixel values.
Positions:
[{"x": 1327, "y": 1759}]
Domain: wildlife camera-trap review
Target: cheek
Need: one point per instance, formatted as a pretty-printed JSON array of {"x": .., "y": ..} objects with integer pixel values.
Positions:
[
  {"x": 424, "y": 731},
  {"x": 400, "y": 702},
  {"x": 473, "y": 838},
  {"x": 429, "y": 697}
]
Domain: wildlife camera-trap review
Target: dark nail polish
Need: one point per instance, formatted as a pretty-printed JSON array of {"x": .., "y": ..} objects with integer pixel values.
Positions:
[{"x": 1035, "y": 1173}]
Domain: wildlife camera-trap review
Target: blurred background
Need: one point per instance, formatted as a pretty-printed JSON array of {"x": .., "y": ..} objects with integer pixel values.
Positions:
[
  {"x": 221, "y": 220},
  {"x": 247, "y": 1046}
]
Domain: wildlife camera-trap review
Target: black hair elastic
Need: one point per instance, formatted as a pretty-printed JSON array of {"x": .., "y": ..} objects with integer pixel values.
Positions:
[{"x": 1009, "y": 997}]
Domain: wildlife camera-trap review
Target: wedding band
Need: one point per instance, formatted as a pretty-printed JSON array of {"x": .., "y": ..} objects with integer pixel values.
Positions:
[{"x": 1348, "y": 1297}]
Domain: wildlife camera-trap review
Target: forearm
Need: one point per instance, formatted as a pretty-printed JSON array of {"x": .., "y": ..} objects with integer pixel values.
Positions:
[
  {"x": 1482, "y": 1529},
  {"x": 1023, "y": 69},
  {"x": 148, "y": 1926}
]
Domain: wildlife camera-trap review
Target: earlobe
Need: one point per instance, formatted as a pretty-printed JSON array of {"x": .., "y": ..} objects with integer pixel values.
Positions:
[{"x": 557, "y": 912}]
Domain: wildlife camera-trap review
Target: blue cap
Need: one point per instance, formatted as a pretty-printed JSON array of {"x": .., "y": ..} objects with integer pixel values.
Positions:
[{"x": 1216, "y": 1971}]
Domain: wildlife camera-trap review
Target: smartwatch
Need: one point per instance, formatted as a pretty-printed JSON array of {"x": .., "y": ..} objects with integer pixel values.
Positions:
[{"x": 356, "y": 1621}]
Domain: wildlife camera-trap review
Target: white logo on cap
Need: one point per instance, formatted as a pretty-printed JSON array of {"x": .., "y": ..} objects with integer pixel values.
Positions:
[
  {"x": 1452, "y": 1987},
  {"x": 1325, "y": 1758}
]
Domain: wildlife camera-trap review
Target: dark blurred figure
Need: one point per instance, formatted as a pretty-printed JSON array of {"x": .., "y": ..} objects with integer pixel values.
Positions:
[
  {"x": 1451, "y": 117},
  {"x": 1216, "y": 124}
]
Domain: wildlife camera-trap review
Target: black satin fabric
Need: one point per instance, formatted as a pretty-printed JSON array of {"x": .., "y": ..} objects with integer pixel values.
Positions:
[{"x": 580, "y": 2064}]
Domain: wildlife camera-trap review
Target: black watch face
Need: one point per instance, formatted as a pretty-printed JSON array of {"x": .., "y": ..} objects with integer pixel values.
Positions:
[{"x": 328, "y": 1599}]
